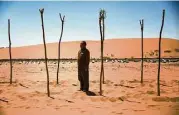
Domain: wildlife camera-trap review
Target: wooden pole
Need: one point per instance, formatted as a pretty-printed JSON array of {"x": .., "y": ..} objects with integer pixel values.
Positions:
[
  {"x": 101, "y": 53},
  {"x": 101, "y": 20},
  {"x": 142, "y": 28},
  {"x": 160, "y": 37},
  {"x": 10, "y": 51},
  {"x": 62, "y": 20},
  {"x": 103, "y": 44},
  {"x": 45, "y": 51}
]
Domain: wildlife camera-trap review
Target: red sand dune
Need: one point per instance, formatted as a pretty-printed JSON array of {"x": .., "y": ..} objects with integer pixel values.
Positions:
[{"x": 119, "y": 48}]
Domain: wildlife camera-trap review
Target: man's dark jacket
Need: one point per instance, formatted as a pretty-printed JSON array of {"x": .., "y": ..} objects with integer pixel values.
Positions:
[{"x": 83, "y": 68}]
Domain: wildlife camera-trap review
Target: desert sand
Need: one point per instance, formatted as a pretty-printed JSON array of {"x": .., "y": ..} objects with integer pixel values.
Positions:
[
  {"x": 115, "y": 48},
  {"x": 123, "y": 94}
]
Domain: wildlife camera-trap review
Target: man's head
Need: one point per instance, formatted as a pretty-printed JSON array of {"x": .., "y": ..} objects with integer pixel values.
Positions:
[{"x": 83, "y": 44}]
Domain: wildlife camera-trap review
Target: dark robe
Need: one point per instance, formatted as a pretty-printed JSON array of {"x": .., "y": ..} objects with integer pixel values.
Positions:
[{"x": 83, "y": 68}]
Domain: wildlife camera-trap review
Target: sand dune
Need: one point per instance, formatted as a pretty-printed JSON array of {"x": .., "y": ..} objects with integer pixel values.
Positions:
[{"x": 117, "y": 48}]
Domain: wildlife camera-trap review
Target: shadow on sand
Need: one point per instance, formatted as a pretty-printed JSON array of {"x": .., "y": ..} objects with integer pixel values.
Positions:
[
  {"x": 51, "y": 97},
  {"x": 90, "y": 93}
]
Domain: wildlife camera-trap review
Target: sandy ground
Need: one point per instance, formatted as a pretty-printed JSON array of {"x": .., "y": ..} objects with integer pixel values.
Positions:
[
  {"x": 123, "y": 94},
  {"x": 114, "y": 48}
]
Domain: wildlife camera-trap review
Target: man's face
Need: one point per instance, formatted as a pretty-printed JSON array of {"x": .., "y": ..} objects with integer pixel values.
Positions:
[{"x": 82, "y": 46}]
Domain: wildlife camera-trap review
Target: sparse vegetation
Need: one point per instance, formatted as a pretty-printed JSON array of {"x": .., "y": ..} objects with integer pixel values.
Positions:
[
  {"x": 166, "y": 99},
  {"x": 151, "y": 53},
  {"x": 150, "y": 92},
  {"x": 106, "y": 57},
  {"x": 161, "y": 99},
  {"x": 167, "y": 51},
  {"x": 176, "y": 50},
  {"x": 112, "y": 55},
  {"x": 156, "y": 54}
]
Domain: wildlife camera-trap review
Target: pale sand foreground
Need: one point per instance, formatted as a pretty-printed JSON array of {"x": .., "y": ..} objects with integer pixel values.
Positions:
[{"x": 28, "y": 95}]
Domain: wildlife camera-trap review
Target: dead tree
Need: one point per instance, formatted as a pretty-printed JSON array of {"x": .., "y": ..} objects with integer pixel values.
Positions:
[
  {"x": 104, "y": 13},
  {"x": 62, "y": 20},
  {"x": 102, "y": 16},
  {"x": 160, "y": 37},
  {"x": 45, "y": 51},
  {"x": 142, "y": 51},
  {"x": 10, "y": 51}
]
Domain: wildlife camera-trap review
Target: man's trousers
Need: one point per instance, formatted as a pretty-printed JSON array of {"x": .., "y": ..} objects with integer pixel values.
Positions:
[{"x": 83, "y": 77}]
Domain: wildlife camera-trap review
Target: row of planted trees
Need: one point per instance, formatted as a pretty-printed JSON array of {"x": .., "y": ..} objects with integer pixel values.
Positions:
[
  {"x": 45, "y": 49},
  {"x": 159, "y": 57},
  {"x": 102, "y": 17}
]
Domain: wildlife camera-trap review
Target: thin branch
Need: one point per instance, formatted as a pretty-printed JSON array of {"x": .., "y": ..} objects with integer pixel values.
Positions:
[
  {"x": 23, "y": 85},
  {"x": 62, "y": 19}
]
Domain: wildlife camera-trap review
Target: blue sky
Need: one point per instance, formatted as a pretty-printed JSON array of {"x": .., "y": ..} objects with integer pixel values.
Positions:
[{"x": 81, "y": 20}]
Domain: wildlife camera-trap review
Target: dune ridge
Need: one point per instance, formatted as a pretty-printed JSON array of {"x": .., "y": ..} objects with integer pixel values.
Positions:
[{"x": 114, "y": 48}]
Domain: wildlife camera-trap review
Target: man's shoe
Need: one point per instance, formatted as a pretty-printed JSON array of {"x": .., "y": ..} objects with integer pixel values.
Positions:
[
  {"x": 80, "y": 90},
  {"x": 85, "y": 90}
]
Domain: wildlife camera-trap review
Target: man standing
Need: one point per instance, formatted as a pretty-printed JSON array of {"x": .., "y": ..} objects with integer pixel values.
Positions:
[{"x": 83, "y": 67}]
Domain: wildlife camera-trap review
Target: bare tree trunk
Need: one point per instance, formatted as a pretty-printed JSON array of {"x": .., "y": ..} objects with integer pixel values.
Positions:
[
  {"x": 101, "y": 56},
  {"x": 158, "y": 80},
  {"x": 62, "y": 20},
  {"x": 142, "y": 27},
  {"x": 103, "y": 49},
  {"x": 48, "y": 89},
  {"x": 101, "y": 20},
  {"x": 103, "y": 71},
  {"x": 10, "y": 51},
  {"x": 102, "y": 66}
]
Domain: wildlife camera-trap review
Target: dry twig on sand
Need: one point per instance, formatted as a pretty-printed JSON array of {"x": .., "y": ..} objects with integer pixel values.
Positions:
[{"x": 4, "y": 100}]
